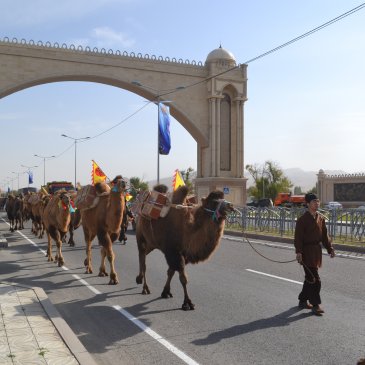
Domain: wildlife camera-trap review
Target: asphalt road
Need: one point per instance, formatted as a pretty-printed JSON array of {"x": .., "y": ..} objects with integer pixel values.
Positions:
[{"x": 246, "y": 307}]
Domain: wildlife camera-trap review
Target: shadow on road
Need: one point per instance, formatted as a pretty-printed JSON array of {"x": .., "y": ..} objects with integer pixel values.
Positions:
[{"x": 279, "y": 320}]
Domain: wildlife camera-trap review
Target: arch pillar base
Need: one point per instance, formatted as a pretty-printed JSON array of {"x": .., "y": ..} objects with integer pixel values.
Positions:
[{"x": 235, "y": 188}]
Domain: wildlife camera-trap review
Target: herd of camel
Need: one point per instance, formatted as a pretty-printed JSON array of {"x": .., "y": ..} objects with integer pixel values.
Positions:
[{"x": 187, "y": 233}]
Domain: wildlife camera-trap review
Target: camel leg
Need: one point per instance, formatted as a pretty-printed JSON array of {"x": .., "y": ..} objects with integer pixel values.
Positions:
[
  {"x": 88, "y": 239},
  {"x": 102, "y": 271},
  {"x": 49, "y": 248},
  {"x": 60, "y": 259},
  {"x": 142, "y": 271},
  {"x": 111, "y": 257},
  {"x": 107, "y": 251},
  {"x": 71, "y": 241},
  {"x": 166, "y": 293},
  {"x": 184, "y": 281},
  {"x": 42, "y": 230}
]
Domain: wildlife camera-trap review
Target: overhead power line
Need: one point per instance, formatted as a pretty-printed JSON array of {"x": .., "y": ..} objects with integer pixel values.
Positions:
[
  {"x": 330, "y": 22},
  {"x": 304, "y": 35},
  {"x": 296, "y": 39}
]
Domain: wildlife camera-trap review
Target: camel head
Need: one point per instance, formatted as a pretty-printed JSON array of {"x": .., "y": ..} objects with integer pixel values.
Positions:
[
  {"x": 65, "y": 200},
  {"x": 118, "y": 184},
  {"x": 217, "y": 205}
]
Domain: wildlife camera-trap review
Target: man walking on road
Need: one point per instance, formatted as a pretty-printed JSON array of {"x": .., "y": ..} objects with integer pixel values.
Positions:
[{"x": 310, "y": 232}]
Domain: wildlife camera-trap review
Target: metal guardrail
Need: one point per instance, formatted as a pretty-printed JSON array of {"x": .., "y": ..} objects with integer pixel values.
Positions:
[{"x": 344, "y": 225}]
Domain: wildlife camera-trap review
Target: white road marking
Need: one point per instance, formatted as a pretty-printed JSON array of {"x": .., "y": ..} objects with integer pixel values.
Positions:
[
  {"x": 185, "y": 358},
  {"x": 156, "y": 336},
  {"x": 274, "y": 276}
]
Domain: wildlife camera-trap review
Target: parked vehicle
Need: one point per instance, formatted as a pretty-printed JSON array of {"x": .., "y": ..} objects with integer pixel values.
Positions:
[
  {"x": 333, "y": 205},
  {"x": 289, "y": 200},
  {"x": 264, "y": 202}
]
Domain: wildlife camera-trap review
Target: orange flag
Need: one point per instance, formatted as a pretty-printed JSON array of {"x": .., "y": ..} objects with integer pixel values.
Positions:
[
  {"x": 97, "y": 174},
  {"x": 178, "y": 180}
]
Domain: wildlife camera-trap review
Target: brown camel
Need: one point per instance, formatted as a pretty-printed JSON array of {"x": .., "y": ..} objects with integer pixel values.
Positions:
[
  {"x": 56, "y": 219},
  {"x": 104, "y": 221},
  {"x": 33, "y": 207},
  {"x": 187, "y": 235},
  {"x": 10, "y": 204}
]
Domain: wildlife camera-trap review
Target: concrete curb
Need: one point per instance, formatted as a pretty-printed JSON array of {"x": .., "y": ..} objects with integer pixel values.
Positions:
[
  {"x": 287, "y": 240},
  {"x": 66, "y": 333}
]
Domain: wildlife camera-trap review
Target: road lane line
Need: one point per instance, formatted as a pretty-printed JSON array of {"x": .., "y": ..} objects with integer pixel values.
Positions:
[
  {"x": 180, "y": 354},
  {"x": 84, "y": 282},
  {"x": 274, "y": 276},
  {"x": 156, "y": 336}
]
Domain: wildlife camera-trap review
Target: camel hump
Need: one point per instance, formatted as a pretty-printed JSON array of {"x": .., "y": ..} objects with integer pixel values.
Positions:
[
  {"x": 101, "y": 187},
  {"x": 179, "y": 195},
  {"x": 215, "y": 195},
  {"x": 161, "y": 188}
]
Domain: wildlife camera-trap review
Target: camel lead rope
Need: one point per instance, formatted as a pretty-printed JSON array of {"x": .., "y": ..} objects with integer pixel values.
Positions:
[
  {"x": 267, "y": 258},
  {"x": 279, "y": 262}
]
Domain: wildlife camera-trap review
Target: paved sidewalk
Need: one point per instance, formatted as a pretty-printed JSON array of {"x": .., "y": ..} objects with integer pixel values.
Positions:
[{"x": 33, "y": 332}]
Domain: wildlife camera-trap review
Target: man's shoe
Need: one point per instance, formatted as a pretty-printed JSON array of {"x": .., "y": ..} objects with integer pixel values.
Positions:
[
  {"x": 304, "y": 305},
  {"x": 317, "y": 310}
]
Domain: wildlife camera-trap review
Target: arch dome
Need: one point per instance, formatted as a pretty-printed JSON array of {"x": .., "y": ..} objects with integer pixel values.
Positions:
[{"x": 220, "y": 54}]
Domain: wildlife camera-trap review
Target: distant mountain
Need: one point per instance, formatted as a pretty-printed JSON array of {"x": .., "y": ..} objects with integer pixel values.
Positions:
[{"x": 305, "y": 179}]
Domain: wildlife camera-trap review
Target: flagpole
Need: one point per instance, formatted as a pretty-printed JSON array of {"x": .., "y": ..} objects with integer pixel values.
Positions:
[
  {"x": 158, "y": 139},
  {"x": 157, "y": 98}
]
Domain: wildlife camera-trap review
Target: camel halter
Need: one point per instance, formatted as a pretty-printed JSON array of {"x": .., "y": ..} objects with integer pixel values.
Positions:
[{"x": 216, "y": 213}]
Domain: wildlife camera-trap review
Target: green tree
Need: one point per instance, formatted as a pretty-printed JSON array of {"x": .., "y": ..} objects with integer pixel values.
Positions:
[
  {"x": 136, "y": 185},
  {"x": 313, "y": 190},
  {"x": 187, "y": 176},
  {"x": 269, "y": 180},
  {"x": 297, "y": 190}
]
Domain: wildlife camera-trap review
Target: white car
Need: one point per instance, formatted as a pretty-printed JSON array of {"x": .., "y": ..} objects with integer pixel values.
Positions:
[{"x": 333, "y": 205}]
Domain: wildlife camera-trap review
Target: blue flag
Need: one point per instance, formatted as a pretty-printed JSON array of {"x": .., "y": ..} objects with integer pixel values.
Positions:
[
  {"x": 164, "y": 140},
  {"x": 30, "y": 177}
]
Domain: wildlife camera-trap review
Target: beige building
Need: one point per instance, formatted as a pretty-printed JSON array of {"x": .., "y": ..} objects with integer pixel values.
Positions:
[
  {"x": 207, "y": 100},
  {"x": 347, "y": 189}
]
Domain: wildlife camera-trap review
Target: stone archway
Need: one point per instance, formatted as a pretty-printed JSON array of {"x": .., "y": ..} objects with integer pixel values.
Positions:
[{"x": 207, "y": 99}]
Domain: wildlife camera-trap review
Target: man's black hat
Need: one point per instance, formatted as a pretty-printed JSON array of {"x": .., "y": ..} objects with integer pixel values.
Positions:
[{"x": 309, "y": 197}]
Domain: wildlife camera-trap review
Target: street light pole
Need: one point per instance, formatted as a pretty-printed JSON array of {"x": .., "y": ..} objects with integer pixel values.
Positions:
[
  {"x": 16, "y": 173},
  {"x": 75, "y": 143},
  {"x": 44, "y": 166}
]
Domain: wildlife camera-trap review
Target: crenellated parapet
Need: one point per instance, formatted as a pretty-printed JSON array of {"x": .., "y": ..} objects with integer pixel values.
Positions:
[
  {"x": 206, "y": 99},
  {"x": 348, "y": 189},
  {"x": 101, "y": 51}
]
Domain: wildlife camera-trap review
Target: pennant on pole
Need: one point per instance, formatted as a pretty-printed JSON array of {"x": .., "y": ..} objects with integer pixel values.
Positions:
[
  {"x": 178, "y": 180},
  {"x": 97, "y": 174},
  {"x": 30, "y": 177},
  {"x": 164, "y": 140}
]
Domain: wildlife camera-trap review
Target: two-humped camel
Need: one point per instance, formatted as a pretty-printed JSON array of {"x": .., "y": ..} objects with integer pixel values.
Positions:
[
  {"x": 187, "y": 235},
  {"x": 104, "y": 221},
  {"x": 56, "y": 219}
]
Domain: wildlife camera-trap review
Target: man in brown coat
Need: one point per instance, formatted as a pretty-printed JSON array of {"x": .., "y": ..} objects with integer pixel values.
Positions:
[{"x": 310, "y": 232}]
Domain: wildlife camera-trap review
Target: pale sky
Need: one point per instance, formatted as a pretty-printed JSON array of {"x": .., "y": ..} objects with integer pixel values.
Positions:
[{"x": 305, "y": 103}]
